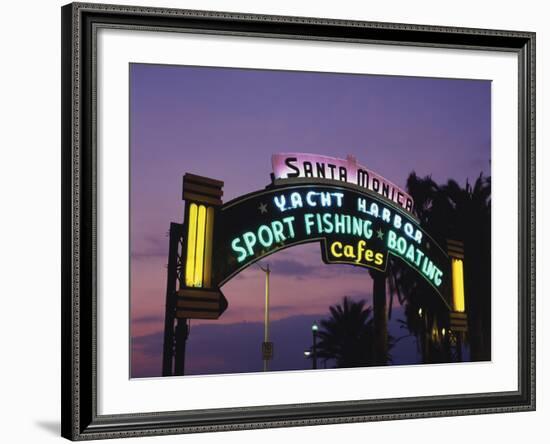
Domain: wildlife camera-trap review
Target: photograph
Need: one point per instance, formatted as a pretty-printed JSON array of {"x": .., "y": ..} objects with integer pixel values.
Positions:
[
  {"x": 275, "y": 222},
  {"x": 306, "y": 221},
  {"x": 278, "y": 221}
]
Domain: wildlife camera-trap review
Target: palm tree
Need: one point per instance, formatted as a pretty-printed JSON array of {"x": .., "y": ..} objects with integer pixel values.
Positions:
[
  {"x": 472, "y": 222},
  {"x": 450, "y": 212},
  {"x": 424, "y": 310},
  {"x": 347, "y": 335}
]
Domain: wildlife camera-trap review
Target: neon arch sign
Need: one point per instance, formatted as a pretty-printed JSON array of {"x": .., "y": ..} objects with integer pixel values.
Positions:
[{"x": 357, "y": 216}]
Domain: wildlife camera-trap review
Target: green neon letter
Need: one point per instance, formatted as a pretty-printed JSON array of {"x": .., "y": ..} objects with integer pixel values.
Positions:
[
  {"x": 265, "y": 236},
  {"x": 277, "y": 228},
  {"x": 325, "y": 199},
  {"x": 367, "y": 231},
  {"x": 238, "y": 249},
  {"x": 357, "y": 226},
  {"x": 280, "y": 202},
  {"x": 410, "y": 253},
  {"x": 249, "y": 240},
  {"x": 319, "y": 223},
  {"x": 419, "y": 255},
  {"x": 397, "y": 221},
  {"x": 401, "y": 245},
  {"x": 296, "y": 200},
  {"x": 437, "y": 277},
  {"x": 289, "y": 221},
  {"x": 339, "y": 198},
  {"x": 329, "y": 227},
  {"x": 373, "y": 209},
  {"x": 309, "y": 199},
  {"x": 391, "y": 240}
]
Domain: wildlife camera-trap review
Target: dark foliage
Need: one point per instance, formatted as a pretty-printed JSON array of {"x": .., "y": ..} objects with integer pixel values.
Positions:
[
  {"x": 449, "y": 211},
  {"x": 347, "y": 335}
]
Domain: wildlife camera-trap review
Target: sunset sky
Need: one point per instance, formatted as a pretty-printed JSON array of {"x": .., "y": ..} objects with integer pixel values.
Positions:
[{"x": 225, "y": 124}]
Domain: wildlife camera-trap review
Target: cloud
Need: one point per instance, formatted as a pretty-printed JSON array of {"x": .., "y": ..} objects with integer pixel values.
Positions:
[
  {"x": 277, "y": 308},
  {"x": 150, "y": 345},
  {"x": 149, "y": 246},
  {"x": 291, "y": 267},
  {"x": 147, "y": 319},
  {"x": 230, "y": 348},
  {"x": 300, "y": 270}
]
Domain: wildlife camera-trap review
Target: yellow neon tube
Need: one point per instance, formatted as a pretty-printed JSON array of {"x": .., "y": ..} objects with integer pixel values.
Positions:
[
  {"x": 199, "y": 254},
  {"x": 458, "y": 285},
  {"x": 191, "y": 241},
  {"x": 208, "y": 247}
]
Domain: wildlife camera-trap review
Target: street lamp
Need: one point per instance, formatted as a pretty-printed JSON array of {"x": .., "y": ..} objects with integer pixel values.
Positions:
[
  {"x": 314, "y": 329},
  {"x": 267, "y": 346}
]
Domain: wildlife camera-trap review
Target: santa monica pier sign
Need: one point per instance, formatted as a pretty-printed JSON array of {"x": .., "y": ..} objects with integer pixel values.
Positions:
[
  {"x": 313, "y": 166},
  {"x": 357, "y": 216}
]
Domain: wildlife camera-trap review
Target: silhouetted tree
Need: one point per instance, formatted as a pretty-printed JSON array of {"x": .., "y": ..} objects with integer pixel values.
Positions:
[
  {"x": 450, "y": 212},
  {"x": 471, "y": 222},
  {"x": 347, "y": 335}
]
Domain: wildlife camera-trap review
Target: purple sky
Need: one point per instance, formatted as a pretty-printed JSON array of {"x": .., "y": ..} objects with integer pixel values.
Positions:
[{"x": 225, "y": 124}]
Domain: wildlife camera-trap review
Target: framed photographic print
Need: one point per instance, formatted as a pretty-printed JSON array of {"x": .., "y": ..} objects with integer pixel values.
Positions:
[{"x": 278, "y": 221}]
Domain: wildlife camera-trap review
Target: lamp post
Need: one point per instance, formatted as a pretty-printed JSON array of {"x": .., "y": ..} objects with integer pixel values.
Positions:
[
  {"x": 267, "y": 348},
  {"x": 314, "y": 329}
]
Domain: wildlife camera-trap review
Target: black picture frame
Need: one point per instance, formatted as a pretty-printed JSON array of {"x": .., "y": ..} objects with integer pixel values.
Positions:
[{"x": 79, "y": 211}]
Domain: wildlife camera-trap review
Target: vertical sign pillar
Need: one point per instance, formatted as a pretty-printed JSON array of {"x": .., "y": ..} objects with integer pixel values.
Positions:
[
  {"x": 175, "y": 234},
  {"x": 190, "y": 290},
  {"x": 458, "y": 316},
  {"x": 198, "y": 297},
  {"x": 380, "y": 317}
]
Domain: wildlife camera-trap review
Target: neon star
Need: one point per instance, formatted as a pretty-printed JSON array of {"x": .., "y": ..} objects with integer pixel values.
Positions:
[
  {"x": 263, "y": 208},
  {"x": 380, "y": 234}
]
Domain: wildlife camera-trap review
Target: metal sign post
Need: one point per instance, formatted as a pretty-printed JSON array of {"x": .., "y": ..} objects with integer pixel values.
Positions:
[
  {"x": 173, "y": 280},
  {"x": 267, "y": 347}
]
